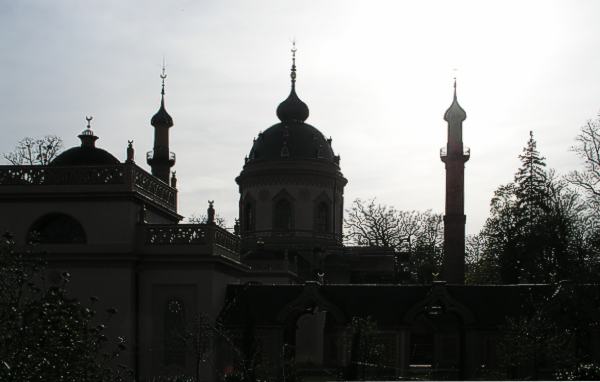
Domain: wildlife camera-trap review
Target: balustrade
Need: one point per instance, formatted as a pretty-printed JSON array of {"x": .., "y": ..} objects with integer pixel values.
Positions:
[
  {"x": 133, "y": 177},
  {"x": 193, "y": 234}
]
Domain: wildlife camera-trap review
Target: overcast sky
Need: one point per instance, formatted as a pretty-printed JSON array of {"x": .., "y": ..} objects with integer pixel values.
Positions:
[{"x": 376, "y": 75}]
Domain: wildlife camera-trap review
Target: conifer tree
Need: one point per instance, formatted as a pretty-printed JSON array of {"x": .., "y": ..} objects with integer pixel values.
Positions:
[
  {"x": 532, "y": 205},
  {"x": 531, "y": 185}
]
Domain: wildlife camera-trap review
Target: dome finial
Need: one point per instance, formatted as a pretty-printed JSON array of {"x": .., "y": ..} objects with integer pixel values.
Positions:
[
  {"x": 87, "y": 136},
  {"x": 163, "y": 76},
  {"x": 293, "y": 72},
  {"x": 455, "y": 87},
  {"x": 162, "y": 118},
  {"x": 293, "y": 109}
]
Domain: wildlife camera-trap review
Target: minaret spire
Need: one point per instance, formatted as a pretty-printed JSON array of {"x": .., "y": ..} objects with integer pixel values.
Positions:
[
  {"x": 455, "y": 88},
  {"x": 293, "y": 71},
  {"x": 163, "y": 77},
  {"x": 160, "y": 158}
]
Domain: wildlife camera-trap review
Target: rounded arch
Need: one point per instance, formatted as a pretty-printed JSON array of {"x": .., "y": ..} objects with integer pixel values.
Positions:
[
  {"x": 57, "y": 228},
  {"x": 248, "y": 213},
  {"x": 438, "y": 301},
  {"x": 283, "y": 211},
  {"x": 174, "y": 327}
]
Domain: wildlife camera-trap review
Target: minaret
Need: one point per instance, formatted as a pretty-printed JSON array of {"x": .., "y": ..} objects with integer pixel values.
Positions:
[
  {"x": 454, "y": 156},
  {"x": 160, "y": 158}
]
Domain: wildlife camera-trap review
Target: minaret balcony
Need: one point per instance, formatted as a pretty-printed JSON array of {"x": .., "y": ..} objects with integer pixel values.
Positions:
[
  {"x": 466, "y": 154},
  {"x": 153, "y": 156}
]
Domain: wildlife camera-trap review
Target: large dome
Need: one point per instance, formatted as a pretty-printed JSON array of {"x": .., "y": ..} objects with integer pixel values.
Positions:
[{"x": 291, "y": 140}]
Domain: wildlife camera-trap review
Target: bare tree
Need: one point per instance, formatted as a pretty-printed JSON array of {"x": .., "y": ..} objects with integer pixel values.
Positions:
[
  {"x": 420, "y": 234},
  {"x": 373, "y": 224},
  {"x": 202, "y": 219},
  {"x": 588, "y": 148},
  {"x": 35, "y": 151}
]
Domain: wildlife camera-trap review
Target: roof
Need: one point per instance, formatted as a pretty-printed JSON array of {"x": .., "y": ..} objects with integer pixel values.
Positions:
[
  {"x": 291, "y": 140},
  {"x": 84, "y": 156},
  {"x": 489, "y": 305}
]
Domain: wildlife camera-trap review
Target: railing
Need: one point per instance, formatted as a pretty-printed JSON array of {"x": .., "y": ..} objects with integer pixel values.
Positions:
[
  {"x": 444, "y": 152},
  {"x": 159, "y": 234},
  {"x": 150, "y": 156},
  {"x": 274, "y": 265},
  {"x": 128, "y": 175},
  {"x": 47, "y": 175},
  {"x": 154, "y": 188},
  {"x": 294, "y": 233},
  {"x": 193, "y": 234}
]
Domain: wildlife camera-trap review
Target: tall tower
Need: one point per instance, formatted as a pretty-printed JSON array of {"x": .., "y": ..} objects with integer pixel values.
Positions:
[
  {"x": 454, "y": 156},
  {"x": 160, "y": 159}
]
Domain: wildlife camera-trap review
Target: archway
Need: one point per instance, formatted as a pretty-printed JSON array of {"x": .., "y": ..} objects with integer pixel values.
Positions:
[{"x": 57, "y": 228}]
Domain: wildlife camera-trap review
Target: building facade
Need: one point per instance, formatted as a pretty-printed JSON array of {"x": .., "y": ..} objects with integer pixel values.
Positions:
[{"x": 283, "y": 280}]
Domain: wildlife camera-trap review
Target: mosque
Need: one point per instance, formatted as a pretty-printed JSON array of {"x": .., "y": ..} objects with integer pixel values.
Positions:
[{"x": 282, "y": 281}]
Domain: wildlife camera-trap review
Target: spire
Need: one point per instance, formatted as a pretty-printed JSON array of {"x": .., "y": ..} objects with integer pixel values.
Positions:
[
  {"x": 455, "y": 111},
  {"x": 293, "y": 109},
  {"x": 87, "y": 136},
  {"x": 162, "y": 118},
  {"x": 293, "y": 71}
]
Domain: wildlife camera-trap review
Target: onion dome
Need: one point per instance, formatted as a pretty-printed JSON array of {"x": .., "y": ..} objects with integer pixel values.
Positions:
[
  {"x": 87, "y": 154},
  {"x": 455, "y": 111},
  {"x": 162, "y": 118},
  {"x": 292, "y": 109}
]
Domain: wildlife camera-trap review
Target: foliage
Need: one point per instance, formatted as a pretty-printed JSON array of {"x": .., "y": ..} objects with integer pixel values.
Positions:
[
  {"x": 588, "y": 149},
  {"x": 539, "y": 230},
  {"x": 199, "y": 337},
  {"x": 582, "y": 372},
  {"x": 551, "y": 336},
  {"x": 35, "y": 151},
  {"x": 418, "y": 234},
  {"x": 371, "y": 224},
  {"x": 480, "y": 268},
  {"x": 46, "y": 335},
  {"x": 365, "y": 351},
  {"x": 202, "y": 219}
]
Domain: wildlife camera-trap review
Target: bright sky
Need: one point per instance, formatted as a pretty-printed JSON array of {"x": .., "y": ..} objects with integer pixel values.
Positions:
[{"x": 376, "y": 75}]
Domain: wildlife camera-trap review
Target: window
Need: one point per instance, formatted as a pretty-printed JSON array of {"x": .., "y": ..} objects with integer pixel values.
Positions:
[
  {"x": 249, "y": 217},
  {"x": 174, "y": 349},
  {"x": 57, "y": 228},
  {"x": 322, "y": 217},
  {"x": 283, "y": 215}
]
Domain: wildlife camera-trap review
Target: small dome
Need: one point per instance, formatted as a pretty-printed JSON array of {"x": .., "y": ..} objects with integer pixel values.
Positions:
[
  {"x": 85, "y": 155},
  {"x": 292, "y": 109},
  {"x": 455, "y": 112},
  {"x": 161, "y": 118}
]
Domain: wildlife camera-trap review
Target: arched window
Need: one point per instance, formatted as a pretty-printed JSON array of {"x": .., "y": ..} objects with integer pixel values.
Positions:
[
  {"x": 283, "y": 219},
  {"x": 174, "y": 333},
  {"x": 322, "y": 217},
  {"x": 249, "y": 217},
  {"x": 57, "y": 228}
]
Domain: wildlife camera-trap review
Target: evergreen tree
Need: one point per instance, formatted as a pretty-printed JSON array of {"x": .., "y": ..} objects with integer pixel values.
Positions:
[
  {"x": 532, "y": 205},
  {"x": 536, "y": 231}
]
